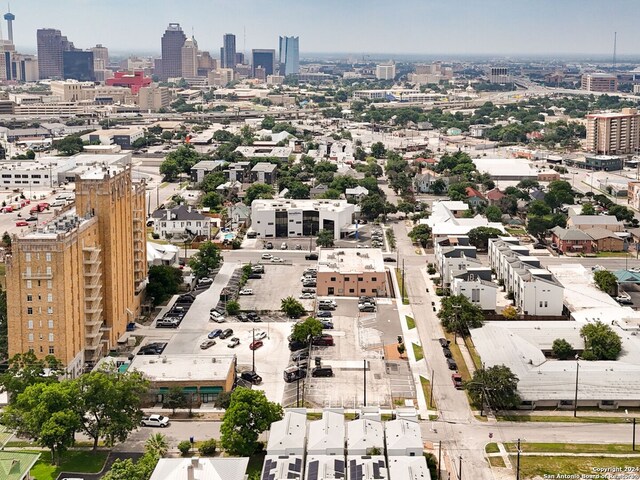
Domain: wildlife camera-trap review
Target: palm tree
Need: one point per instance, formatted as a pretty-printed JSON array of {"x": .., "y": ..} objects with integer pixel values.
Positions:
[{"x": 157, "y": 445}]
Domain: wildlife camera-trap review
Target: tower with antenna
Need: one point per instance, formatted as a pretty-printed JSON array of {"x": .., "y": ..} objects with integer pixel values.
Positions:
[
  {"x": 615, "y": 44},
  {"x": 10, "y": 17}
]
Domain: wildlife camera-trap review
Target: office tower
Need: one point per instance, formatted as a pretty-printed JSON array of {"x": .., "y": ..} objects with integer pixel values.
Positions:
[
  {"x": 206, "y": 63},
  {"x": 100, "y": 57},
  {"x": 614, "y": 133},
  {"x": 228, "y": 51},
  {"x": 289, "y": 56},
  {"x": 239, "y": 58},
  {"x": 599, "y": 82},
  {"x": 263, "y": 58},
  {"x": 499, "y": 75},
  {"x": 190, "y": 58},
  {"x": 172, "y": 42},
  {"x": 10, "y": 17},
  {"x": 78, "y": 65},
  {"x": 75, "y": 283},
  {"x": 386, "y": 72},
  {"x": 51, "y": 44}
]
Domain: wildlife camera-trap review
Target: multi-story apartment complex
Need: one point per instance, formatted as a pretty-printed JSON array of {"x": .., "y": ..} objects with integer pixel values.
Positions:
[
  {"x": 599, "y": 82},
  {"x": 535, "y": 290},
  {"x": 75, "y": 283},
  {"x": 614, "y": 133}
]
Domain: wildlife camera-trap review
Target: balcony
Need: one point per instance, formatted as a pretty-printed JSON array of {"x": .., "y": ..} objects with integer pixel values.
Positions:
[
  {"x": 92, "y": 296},
  {"x": 91, "y": 255}
]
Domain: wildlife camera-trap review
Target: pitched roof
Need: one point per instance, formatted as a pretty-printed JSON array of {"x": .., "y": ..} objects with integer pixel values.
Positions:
[
  {"x": 600, "y": 233},
  {"x": 181, "y": 212},
  {"x": 594, "y": 220},
  {"x": 472, "y": 192},
  {"x": 494, "y": 194},
  {"x": 570, "y": 234},
  {"x": 16, "y": 465}
]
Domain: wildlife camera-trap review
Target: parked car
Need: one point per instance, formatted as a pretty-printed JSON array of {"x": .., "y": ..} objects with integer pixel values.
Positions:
[
  {"x": 216, "y": 316},
  {"x": 257, "y": 268},
  {"x": 269, "y": 246},
  {"x": 226, "y": 333},
  {"x": 155, "y": 421},
  {"x": 168, "y": 323},
  {"x": 207, "y": 343},
  {"x": 390, "y": 259},
  {"x": 205, "y": 281},
  {"x": 366, "y": 308},
  {"x": 277, "y": 260},
  {"x": 284, "y": 246},
  {"x": 323, "y": 341},
  {"x": 324, "y": 314},
  {"x": 309, "y": 290},
  {"x": 327, "y": 324},
  {"x": 234, "y": 342},
  {"x": 326, "y": 306},
  {"x": 447, "y": 352},
  {"x": 300, "y": 355},
  {"x": 364, "y": 299},
  {"x": 311, "y": 256},
  {"x": 451, "y": 363},
  {"x": 155, "y": 348},
  {"x": 328, "y": 302},
  {"x": 251, "y": 377},
  {"x": 295, "y": 345},
  {"x": 307, "y": 296},
  {"x": 214, "y": 333},
  {"x": 246, "y": 291},
  {"x": 255, "y": 345},
  {"x": 266, "y": 256},
  {"x": 21, "y": 223},
  {"x": 254, "y": 276},
  {"x": 456, "y": 378},
  {"x": 259, "y": 335},
  {"x": 243, "y": 318},
  {"x": 444, "y": 342},
  {"x": 291, "y": 374},
  {"x": 310, "y": 284},
  {"x": 322, "y": 372}
]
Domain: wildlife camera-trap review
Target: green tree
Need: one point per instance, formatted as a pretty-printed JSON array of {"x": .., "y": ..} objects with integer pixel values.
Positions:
[
  {"x": 108, "y": 403},
  {"x": 208, "y": 447},
  {"x": 45, "y": 412},
  {"x": 305, "y": 330},
  {"x": 528, "y": 184},
  {"x": 588, "y": 209},
  {"x": 493, "y": 213},
  {"x": 438, "y": 187},
  {"x": 562, "y": 349},
  {"x": 157, "y": 445},
  {"x": 179, "y": 161},
  {"x": 212, "y": 181},
  {"x": 233, "y": 307},
  {"x": 498, "y": 385},
  {"x": 69, "y": 145},
  {"x": 298, "y": 190},
  {"x": 175, "y": 399},
  {"x": 420, "y": 233},
  {"x": 621, "y": 213},
  {"x": 378, "y": 150},
  {"x": 258, "y": 190},
  {"x": 538, "y": 208},
  {"x": 325, "y": 238},
  {"x": 164, "y": 281},
  {"x": 129, "y": 470},
  {"x": 372, "y": 206},
  {"x": 206, "y": 260},
  {"x": 600, "y": 342},
  {"x": 479, "y": 236},
  {"x": 606, "y": 281},
  {"x": 25, "y": 369},
  {"x": 170, "y": 169},
  {"x": 248, "y": 415},
  {"x": 211, "y": 200},
  {"x": 510, "y": 313},
  {"x": 458, "y": 315},
  {"x": 292, "y": 307},
  {"x": 268, "y": 123}
]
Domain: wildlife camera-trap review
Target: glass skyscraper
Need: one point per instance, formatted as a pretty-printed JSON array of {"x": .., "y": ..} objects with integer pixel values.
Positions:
[{"x": 289, "y": 56}]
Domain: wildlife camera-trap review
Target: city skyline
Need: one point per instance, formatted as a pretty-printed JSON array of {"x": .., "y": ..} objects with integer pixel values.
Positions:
[{"x": 496, "y": 27}]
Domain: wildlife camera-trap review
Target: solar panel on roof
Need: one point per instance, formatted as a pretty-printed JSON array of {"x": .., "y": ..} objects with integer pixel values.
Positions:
[
  {"x": 313, "y": 470},
  {"x": 297, "y": 466},
  {"x": 339, "y": 465}
]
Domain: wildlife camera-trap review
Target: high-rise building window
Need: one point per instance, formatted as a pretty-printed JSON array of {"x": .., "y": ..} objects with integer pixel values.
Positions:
[
  {"x": 30, "y": 337},
  {"x": 29, "y": 298},
  {"x": 30, "y": 324},
  {"x": 50, "y": 323},
  {"x": 48, "y": 270},
  {"x": 29, "y": 311},
  {"x": 48, "y": 256},
  {"x": 49, "y": 297},
  {"x": 51, "y": 350},
  {"x": 51, "y": 337},
  {"x": 27, "y": 257},
  {"x": 49, "y": 284},
  {"x": 50, "y": 310},
  {"x": 29, "y": 284}
]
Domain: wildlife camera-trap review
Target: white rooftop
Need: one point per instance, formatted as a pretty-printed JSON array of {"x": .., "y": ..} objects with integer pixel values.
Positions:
[
  {"x": 364, "y": 434},
  {"x": 408, "y": 468},
  {"x": 367, "y": 467},
  {"x": 580, "y": 291},
  {"x": 328, "y": 433},
  {"x": 219, "y": 468},
  {"x": 350, "y": 260},
  {"x": 499, "y": 167},
  {"x": 518, "y": 346},
  {"x": 288, "y": 436},
  {"x": 443, "y": 221},
  {"x": 402, "y": 434},
  {"x": 99, "y": 172},
  {"x": 292, "y": 204},
  {"x": 183, "y": 367}
]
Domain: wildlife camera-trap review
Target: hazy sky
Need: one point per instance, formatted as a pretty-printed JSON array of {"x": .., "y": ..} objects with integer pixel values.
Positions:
[{"x": 399, "y": 26}]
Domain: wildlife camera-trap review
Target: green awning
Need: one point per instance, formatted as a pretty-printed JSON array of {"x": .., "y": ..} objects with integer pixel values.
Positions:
[
  {"x": 190, "y": 389},
  {"x": 164, "y": 389},
  {"x": 210, "y": 389}
]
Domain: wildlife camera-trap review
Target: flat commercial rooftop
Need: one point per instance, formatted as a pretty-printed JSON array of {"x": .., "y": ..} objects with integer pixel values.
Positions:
[
  {"x": 580, "y": 291},
  {"x": 183, "y": 367},
  {"x": 505, "y": 167},
  {"x": 350, "y": 260}
]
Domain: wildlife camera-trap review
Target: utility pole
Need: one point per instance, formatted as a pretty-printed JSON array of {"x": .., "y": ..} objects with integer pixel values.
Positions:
[
  {"x": 403, "y": 280},
  {"x": 460, "y": 468},
  {"x": 518, "y": 462},
  {"x": 431, "y": 392},
  {"x": 364, "y": 371},
  {"x": 298, "y": 384},
  {"x": 253, "y": 350},
  {"x": 439, "y": 458},
  {"x": 575, "y": 399},
  {"x": 633, "y": 443}
]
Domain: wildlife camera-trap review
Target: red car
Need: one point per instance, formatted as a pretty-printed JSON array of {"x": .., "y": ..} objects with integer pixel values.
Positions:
[
  {"x": 456, "y": 378},
  {"x": 255, "y": 345},
  {"x": 22, "y": 223}
]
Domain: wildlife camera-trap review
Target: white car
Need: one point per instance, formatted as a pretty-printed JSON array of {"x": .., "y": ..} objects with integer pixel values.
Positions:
[
  {"x": 259, "y": 335},
  {"x": 277, "y": 260},
  {"x": 155, "y": 421},
  {"x": 246, "y": 291},
  {"x": 216, "y": 316},
  {"x": 306, "y": 296},
  {"x": 267, "y": 256}
]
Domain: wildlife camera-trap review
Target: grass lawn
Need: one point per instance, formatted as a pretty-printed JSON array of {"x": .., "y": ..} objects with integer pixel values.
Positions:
[
  {"x": 473, "y": 352},
  {"x": 426, "y": 388},
  {"x": 492, "y": 448},
  {"x": 405, "y": 298},
  {"x": 571, "y": 447},
  {"x": 552, "y": 466},
  {"x": 612, "y": 254},
  {"x": 80, "y": 461},
  {"x": 255, "y": 464},
  {"x": 457, "y": 356},
  {"x": 417, "y": 352},
  {"x": 497, "y": 462},
  {"x": 559, "y": 418},
  {"x": 411, "y": 323},
  {"x": 516, "y": 231}
]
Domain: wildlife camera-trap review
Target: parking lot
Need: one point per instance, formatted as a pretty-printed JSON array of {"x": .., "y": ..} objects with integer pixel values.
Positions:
[{"x": 277, "y": 282}]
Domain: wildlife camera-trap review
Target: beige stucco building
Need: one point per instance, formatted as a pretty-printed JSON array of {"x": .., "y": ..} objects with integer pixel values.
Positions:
[
  {"x": 352, "y": 272},
  {"x": 614, "y": 133},
  {"x": 74, "y": 283}
]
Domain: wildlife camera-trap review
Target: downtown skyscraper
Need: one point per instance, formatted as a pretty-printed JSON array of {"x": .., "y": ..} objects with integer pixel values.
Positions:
[
  {"x": 51, "y": 45},
  {"x": 172, "y": 43},
  {"x": 289, "y": 56},
  {"x": 228, "y": 51}
]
